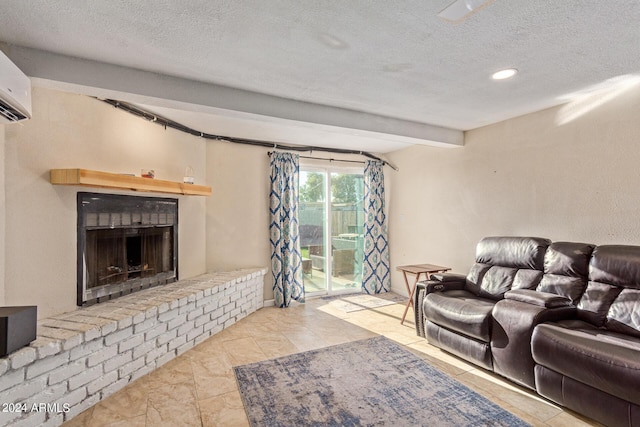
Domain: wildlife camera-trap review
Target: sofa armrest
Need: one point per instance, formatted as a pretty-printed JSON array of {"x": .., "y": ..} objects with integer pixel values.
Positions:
[
  {"x": 541, "y": 299},
  {"x": 436, "y": 284},
  {"x": 448, "y": 277},
  {"x": 512, "y": 326}
]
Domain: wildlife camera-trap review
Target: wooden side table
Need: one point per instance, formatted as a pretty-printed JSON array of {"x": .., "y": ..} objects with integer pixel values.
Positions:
[{"x": 417, "y": 269}]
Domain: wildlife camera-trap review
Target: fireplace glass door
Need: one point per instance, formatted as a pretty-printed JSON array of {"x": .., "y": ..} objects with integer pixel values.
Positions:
[
  {"x": 118, "y": 255},
  {"x": 125, "y": 244}
]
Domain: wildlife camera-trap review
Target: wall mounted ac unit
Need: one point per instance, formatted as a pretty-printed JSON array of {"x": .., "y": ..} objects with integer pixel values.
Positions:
[{"x": 15, "y": 92}]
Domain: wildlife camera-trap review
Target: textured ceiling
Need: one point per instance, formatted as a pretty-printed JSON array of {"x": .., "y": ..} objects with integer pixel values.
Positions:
[{"x": 389, "y": 58}]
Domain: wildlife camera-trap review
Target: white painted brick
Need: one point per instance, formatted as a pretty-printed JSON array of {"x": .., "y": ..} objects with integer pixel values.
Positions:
[
  {"x": 92, "y": 334},
  {"x": 21, "y": 392},
  {"x": 247, "y": 306},
  {"x": 185, "y": 347},
  {"x": 195, "y": 313},
  {"x": 46, "y": 365},
  {"x": 205, "y": 335},
  {"x": 201, "y": 320},
  {"x": 103, "y": 381},
  {"x": 167, "y": 336},
  {"x": 65, "y": 372},
  {"x": 11, "y": 378},
  {"x": 143, "y": 349},
  {"x": 81, "y": 406},
  {"x": 32, "y": 419},
  {"x": 229, "y": 307},
  {"x": 53, "y": 420},
  {"x": 223, "y": 318},
  {"x": 168, "y": 315},
  {"x": 211, "y": 306},
  {"x": 116, "y": 386},
  {"x": 118, "y": 336},
  {"x": 49, "y": 394},
  {"x": 130, "y": 343},
  {"x": 86, "y": 348},
  {"x": 203, "y": 301},
  {"x": 102, "y": 355},
  {"x": 176, "y": 321},
  {"x": 130, "y": 367},
  {"x": 165, "y": 358},
  {"x": 194, "y": 333},
  {"x": 217, "y": 313},
  {"x": 108, "y": 328},
  {"x": 154, "y": 332},
  {"x": 118, "y": 361},
  {"x": 155, "y": 354},
  {"x": 163, "y": 307},
  {"x": 22, "y": 357},
  {"x": 145, "y": 325},
  {"x": 209, "y": 326},
  {"x": 131, "y": 322},
  {"x": 7, "y": 417},
  {"x": 83, "y": 378},
  {"x": 46, "y": 347},
  {"x": 177, "y": 342},
  {"x": 185, "y": 327},
  {"x": 185, "y": 309},
  {"x": 151, "y": 313},
  {"x": 147, "y": 368},
  {"x": 139, "y": 318}
]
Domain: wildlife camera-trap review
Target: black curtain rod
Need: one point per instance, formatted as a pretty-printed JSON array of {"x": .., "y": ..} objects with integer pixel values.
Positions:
[
  {"x": 168, "y": 123},
  {"x": 269, "y": 153}
]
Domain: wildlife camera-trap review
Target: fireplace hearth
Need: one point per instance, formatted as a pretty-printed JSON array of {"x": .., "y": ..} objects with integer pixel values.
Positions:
[{"x": 125, "y": 244}]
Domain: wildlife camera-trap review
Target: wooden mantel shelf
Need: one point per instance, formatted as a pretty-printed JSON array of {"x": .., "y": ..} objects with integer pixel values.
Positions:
[{"x": 90, "y": 178}]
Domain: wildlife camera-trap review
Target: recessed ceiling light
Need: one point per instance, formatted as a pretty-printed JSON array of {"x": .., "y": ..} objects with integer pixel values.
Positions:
[{"x": 504, "y": 74}]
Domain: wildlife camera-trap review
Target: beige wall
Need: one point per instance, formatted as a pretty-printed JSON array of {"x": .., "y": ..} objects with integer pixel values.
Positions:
[
  {"x": 238, "y": 209},
  {"x": 526, "y": 176},
  {"x": 69, "y": 131}
]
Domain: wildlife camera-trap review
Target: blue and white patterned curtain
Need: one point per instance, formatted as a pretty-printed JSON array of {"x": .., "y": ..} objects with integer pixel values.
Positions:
[
  {"x": 286, "y": 260},
  {"x": 375, "y": 268}
]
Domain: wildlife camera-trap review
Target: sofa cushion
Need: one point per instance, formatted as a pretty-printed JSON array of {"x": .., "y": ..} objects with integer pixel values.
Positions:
[
  {"x": 515, "y": 252},
  {"x": 595, "y": 302},
  {"x": 566, "y": 268},
  {"x": 460, "y": 311},
  {"x": 612, "y": 269},
  {"x": 602, "y": 359},
  {"x": 624, "y": 314},
  {"x": 617, "y": 265}
]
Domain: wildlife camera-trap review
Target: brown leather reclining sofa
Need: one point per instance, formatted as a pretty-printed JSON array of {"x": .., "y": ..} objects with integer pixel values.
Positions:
[{"x": 560, "y": 318}]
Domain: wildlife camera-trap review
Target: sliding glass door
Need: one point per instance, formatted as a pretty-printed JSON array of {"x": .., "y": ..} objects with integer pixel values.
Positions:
[{"x": 331, "y": 219}]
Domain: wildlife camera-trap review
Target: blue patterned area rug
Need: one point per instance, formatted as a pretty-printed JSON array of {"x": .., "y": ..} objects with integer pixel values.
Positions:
[{"x": 371, "y": 382}]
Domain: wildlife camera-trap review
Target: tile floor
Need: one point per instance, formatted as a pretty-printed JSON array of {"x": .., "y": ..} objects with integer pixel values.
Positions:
[{"x": 199, "y": 389}]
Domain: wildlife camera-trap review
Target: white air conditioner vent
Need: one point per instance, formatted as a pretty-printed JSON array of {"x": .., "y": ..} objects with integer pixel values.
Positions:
[{"x": 15, "y": 92}]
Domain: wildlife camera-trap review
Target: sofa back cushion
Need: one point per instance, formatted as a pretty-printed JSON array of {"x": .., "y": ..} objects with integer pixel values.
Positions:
[
  {"x": 505, "y": 263},
  {"x": 612, "y": 296},
  {"x": 566, "y": 269}
]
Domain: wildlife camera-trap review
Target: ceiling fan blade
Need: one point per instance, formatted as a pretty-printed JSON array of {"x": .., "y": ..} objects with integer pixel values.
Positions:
[{"x": 460, "y": 10}]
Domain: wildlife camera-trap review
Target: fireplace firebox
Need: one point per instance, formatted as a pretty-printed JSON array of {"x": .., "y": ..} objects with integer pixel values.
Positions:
[{"x": 125, "y": 244}]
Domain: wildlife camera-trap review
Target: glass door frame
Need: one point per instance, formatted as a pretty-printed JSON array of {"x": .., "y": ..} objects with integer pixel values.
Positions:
[{"x": 327, "y": 225}]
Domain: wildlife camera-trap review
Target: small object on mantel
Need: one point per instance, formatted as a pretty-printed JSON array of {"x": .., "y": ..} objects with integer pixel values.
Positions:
[
  {"x": 148, "y": 173},
  {"x": 188, "y": 175},
  {"x": 17, "y": 327}
]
